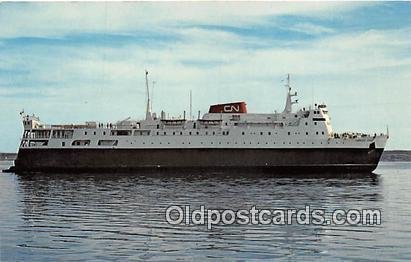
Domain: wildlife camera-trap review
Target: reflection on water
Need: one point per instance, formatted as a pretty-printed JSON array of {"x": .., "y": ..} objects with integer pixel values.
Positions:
[{"x": 113, "y": 216}]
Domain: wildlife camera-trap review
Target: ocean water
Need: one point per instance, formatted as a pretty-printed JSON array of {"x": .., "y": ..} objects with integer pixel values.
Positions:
[{"x": 122, "y": 216}]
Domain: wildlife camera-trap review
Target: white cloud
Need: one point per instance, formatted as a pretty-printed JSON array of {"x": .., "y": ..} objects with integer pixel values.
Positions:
[
  {"x": 57, "y": 19},
  {"x": 311, "y": 29}
]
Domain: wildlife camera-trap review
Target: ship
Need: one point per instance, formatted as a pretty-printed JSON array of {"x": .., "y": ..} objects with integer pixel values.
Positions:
[{"x": 227, "y": 137}]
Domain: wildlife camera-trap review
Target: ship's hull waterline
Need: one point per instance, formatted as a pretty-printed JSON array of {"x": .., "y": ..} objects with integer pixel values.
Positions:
[{"x": 313, "y": 160}]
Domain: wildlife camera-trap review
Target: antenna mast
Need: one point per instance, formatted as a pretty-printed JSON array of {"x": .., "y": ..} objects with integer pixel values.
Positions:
[
  {"x": 191, "y": 105},
  {"x": 152, "y": 96},
  {"x": 288, "y": 83},
  {"x": 148, "y": 113},
  {"x": 289, "y": 102}
]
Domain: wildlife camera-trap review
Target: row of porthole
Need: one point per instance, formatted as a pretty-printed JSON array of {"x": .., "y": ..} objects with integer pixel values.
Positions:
[
  {"x": 289, "y": 133},
  {"x": 223, "y": 133},
  {"x": 94, "y": 133},
  {"x": 236, "y": 143},
  {"x": 306, "y": 133},
  {"x": 212, "y": 143}
]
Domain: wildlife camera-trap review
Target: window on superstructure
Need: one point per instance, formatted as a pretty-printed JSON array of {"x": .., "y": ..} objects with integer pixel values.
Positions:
[
  {"x": 104, "y": 133},
  {"x": 261, "y": 133},
  {"x": 269, "y": 133},
  {"x": 306, "y": 123},
  {"x": 94, "y": 132},
  {"x": 174, "y": 133},
  {"x": 306, "y": 133},
  {"x": 316, "y": 133},
  {"x": 121, "y": 133},
  {"x": 289, "y": 133},
  {"x": 197, "y": 133},
  {"x": 242, "y": 133},
  {"x": 322, "y": 132},
  {"x": 189, "y": 133},
  {"x": 165, "y": 133},
  {"x": 85, "y": 133},
  {"x": 315, "y": 123},
  {"x": 181, "y": 133},
  {"x": 206, "y": 133},
  {"x": 213, "y": 133}
]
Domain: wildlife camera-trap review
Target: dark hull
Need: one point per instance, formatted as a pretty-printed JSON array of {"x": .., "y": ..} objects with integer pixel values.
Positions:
[{"x": 319, "y": 160}]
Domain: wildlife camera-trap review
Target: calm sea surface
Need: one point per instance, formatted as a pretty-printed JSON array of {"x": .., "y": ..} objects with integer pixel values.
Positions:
[{"x": 112, "y": 217}]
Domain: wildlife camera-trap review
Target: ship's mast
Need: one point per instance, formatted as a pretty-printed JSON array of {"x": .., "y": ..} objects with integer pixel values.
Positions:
[
  {"x": 191, "y": 105},
  {"x": 152, "y": 96},
  {"x": 148, "y": 113},
  {"x": 289, "y": 103}
]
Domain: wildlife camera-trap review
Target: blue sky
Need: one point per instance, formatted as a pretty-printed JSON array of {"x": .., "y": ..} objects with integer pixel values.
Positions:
[{"x": 75, "y": 62}]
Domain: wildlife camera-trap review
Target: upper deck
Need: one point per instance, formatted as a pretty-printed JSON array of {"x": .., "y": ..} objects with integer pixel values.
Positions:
[{"x": 224, "y": 126}]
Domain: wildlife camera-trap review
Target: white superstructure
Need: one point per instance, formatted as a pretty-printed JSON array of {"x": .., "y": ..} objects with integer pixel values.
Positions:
[{"x": 224, "y": 126}]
